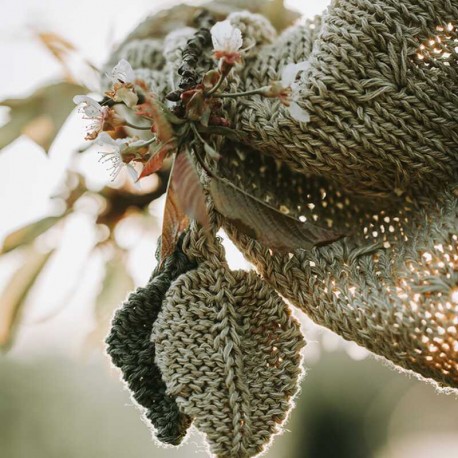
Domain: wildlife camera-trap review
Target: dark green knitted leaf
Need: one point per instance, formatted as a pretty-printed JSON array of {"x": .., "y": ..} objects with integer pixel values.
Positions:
[{"x": 131, "y": 350}]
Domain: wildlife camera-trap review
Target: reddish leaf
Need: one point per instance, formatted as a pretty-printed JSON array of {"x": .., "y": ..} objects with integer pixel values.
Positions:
[
  {"x": 189, "y": 190},
  {"x": 153, "y": 110},
  {"x": 155, "y": 162},
  {"x": 264, "y": 223},
  {"x": 174, "y": 222}
]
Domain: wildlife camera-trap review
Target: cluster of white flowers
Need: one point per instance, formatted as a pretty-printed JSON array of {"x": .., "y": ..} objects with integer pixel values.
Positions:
[
  {"x": 227, "y": 42},
  {"x": 114, "y": 155},
  {"x": 122, "y": 73}
]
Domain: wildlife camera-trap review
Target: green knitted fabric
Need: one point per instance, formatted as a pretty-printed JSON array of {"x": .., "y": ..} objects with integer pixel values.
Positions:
[
  {"x": 131, "y": 350},
  {"x": 388, "y": 286},
  {"x": 229, "y": 352},
  {"x": 378, "y": 160}
]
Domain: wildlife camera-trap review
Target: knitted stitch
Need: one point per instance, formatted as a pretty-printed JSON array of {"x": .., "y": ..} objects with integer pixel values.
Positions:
[
  {"x": 378, "y": 160},
  {"x": 229, "y": 352},
  {"x": 131, "y": 350},
  {"x": 382, "y": 93},
  {"x": 389, "y": 285}
]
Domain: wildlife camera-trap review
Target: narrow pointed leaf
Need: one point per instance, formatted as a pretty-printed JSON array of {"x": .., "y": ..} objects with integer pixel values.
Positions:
[
  {"x": 16, "y": 292},
  {"x": 175, "y": 220},
  {"x": 155, "y": 162},
  {"x": 264, "y": 223},
  {"x": 28, "y": 233},
  {"x": 189, "y": 190}
]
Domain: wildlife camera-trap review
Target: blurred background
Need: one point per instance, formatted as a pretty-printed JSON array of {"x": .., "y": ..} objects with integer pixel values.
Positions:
[{"x": 74, "y": 243}]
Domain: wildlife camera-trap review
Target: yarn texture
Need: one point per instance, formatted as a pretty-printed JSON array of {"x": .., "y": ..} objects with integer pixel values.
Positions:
[
  {"x": 229, "y": 352},
  {"x": 131, "y": 350},
  {"x": 378, "y": 162}
]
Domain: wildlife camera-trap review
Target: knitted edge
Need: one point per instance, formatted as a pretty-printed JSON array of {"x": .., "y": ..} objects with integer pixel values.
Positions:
[{"x": 131, "y": 350}]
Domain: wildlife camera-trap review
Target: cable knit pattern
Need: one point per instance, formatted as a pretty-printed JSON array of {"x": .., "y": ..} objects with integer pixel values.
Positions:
[
  {"x": 229, "y": 352},
  {"x": 131, "y": 350}
]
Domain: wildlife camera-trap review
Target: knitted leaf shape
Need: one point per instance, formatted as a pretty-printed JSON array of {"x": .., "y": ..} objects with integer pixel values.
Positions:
[
  {"x": 391, "y": 285},
  {"x": 131, "y": 350},
  {"x": 229, "y": 351}
]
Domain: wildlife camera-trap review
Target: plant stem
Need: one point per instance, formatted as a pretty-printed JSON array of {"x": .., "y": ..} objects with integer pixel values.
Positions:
[
  {"x": 128, "y": 124},
  {"x": 259, "y": 91},
  {"x": 217, "y": 85}
]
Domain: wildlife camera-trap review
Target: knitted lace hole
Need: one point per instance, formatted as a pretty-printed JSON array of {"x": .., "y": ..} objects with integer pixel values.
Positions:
[{"x": 440, "y": 49}]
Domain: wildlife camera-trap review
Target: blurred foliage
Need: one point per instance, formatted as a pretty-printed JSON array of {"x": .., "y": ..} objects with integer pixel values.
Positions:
[
  {"x": 14, "y": 296},
  {"x": 41, "y": 115},
  {"x": 54, "y": 408},
  {"x": 114, "y": 205}
]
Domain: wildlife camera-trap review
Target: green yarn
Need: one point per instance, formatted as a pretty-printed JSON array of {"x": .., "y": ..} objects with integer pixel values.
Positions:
[{"x": 130, "y": 348}]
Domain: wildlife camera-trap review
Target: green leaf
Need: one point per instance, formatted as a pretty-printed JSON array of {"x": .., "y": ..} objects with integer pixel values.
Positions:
[
  {"x": 264, "y": 223},
  {"x": 16, "y": 292},
  {"x": 41, "y": 115},
  {"x": 28, "y": 233}
]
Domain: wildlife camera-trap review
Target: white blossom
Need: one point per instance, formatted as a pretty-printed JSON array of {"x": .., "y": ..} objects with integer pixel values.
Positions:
[
  {"x": 93, "y": 111},
  {"x": 114, "y": 156},
  {"x": 226, "y": 38},
  {"x": 122, "y": 72},
  {"x": 289, "y": 80}
]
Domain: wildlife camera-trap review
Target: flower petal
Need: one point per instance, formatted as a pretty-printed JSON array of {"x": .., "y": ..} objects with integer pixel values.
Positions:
[
  {"x": 290, "y": 72},
  {"x": 92, "y": 108},
  {"x": 123, "y": 72},
  {"x": 298, "y": 113},
  {"x": 226, "y": 37},
  {"x": 132, "y": 173},
  {"x": 105, "y": 139}
]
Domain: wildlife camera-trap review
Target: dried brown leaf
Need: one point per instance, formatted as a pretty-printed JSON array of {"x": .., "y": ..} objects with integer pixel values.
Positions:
[
  {"x": 77, "y": 68},
  {"x": 155, "y": 162},
  {"x": 175, "y": 220}
]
